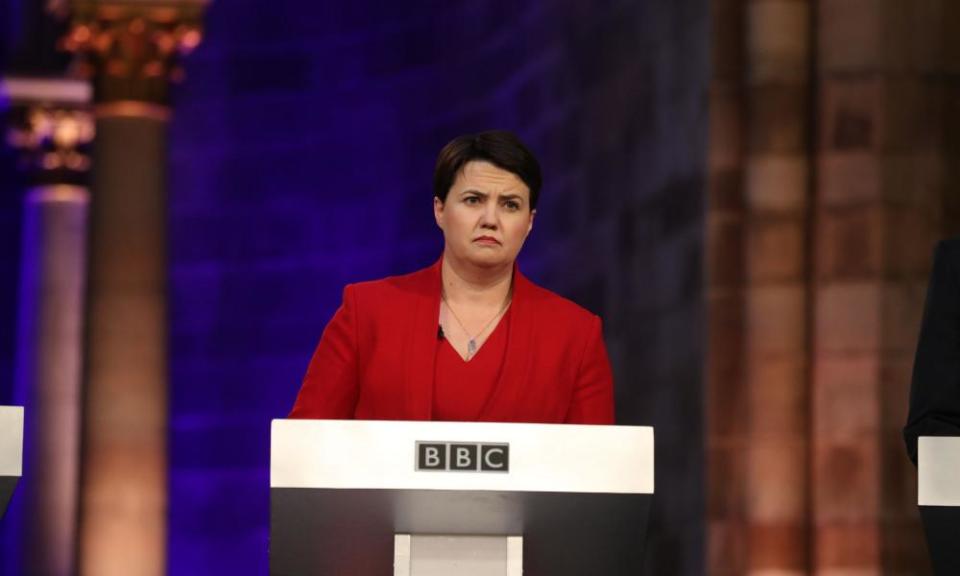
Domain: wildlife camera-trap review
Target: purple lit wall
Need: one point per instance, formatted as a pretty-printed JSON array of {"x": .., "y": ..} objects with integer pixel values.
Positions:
[{"x": 302, "y": 149}]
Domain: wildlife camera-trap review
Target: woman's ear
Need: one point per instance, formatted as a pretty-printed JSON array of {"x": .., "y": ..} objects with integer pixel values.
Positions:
[
  {"x": 530, "y": 223},
  {"x": 438, "y": 211}
]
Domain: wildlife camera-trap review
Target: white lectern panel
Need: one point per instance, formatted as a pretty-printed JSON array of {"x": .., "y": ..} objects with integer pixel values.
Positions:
[
  {"x": 938, "y": 461},
  {"x": 343, "y": 492},
  {"x": 11, "y": 452},
  {"x": 381, "y": 455},
  {"x": 11, "y": 441}
]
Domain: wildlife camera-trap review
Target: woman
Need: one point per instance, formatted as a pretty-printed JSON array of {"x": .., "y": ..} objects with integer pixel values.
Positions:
[{"x": 469, "y": 338}]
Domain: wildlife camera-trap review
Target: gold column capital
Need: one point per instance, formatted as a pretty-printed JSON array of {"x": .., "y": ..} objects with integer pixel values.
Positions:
[{"x": 132, "y": 48}]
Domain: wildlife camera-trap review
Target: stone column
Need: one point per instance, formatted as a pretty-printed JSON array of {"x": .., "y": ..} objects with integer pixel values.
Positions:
[
  {"x": 130, "y": 49},
  {"x": 879, "y": 212},
  {"x": 726, "y": 393},
  {"x": 826, "y": 488},
  {"x": 52, "y": 128},
  {"x": 758, "y": 287},
  {"x": 777, "y": 186}
]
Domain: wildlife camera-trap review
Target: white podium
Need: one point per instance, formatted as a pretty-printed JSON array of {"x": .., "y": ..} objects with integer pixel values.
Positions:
[
  {"x": 11, "y": 452},
  {"x": 938, "y": 495},
  {"x": 376, "y": 498}
]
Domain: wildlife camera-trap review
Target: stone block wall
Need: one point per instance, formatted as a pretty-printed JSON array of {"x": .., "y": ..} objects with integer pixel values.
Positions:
[{"x": 848, "y": 270}]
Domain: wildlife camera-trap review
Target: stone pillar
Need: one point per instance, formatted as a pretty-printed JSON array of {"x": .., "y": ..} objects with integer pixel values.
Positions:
[
  {"x": 879, "y": 212},
  {"x": 758, "y": 288},
  {"x": 777, "y": 186},
  {"x": 826, "y": 487},
  {"x": 52, "y": 128},
  {"x": 726, "y": 393},
  {"x": 130, "y": 49}
]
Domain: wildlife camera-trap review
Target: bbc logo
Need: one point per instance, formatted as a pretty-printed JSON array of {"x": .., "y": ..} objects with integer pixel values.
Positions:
[{"x": 462, "y": 457}]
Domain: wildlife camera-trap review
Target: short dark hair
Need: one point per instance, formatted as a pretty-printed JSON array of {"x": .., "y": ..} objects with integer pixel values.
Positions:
[{"x": 498, "y": 147}]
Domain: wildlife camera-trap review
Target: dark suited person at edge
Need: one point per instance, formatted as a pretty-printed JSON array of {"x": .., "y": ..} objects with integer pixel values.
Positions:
[
  {"x": 468, "y": 338},
  {"x": 935, "y": 392}
]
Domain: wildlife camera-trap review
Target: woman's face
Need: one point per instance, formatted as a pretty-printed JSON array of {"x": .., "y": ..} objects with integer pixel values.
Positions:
[{"x": 486, "y": 216}]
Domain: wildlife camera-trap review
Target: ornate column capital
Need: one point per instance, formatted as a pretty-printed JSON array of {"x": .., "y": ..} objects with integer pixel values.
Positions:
[
  {"x": 51, "y": 126},
  {"x": 132, "y": 48}
]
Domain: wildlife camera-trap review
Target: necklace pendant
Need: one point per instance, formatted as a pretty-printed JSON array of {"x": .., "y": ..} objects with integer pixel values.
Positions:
[{"x": 471, "y": 348}]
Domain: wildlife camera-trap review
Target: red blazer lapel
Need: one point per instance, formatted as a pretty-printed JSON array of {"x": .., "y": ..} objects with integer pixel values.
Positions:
[
  {"x": 420, "y": 348},
  {"x": 517, "y": 359}
]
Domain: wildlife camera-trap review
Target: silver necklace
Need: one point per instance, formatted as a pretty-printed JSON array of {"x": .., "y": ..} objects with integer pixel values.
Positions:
[{"x": 472, "y": 340}]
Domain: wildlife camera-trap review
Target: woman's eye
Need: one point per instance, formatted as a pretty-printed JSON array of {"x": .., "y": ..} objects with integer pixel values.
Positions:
[
  {"x": 472, "y": 200},
  {"x": 511, "y": 205}
]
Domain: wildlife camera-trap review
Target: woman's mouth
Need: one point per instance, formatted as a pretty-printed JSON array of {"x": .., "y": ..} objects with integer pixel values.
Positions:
[{"x": 487, "y": 240}]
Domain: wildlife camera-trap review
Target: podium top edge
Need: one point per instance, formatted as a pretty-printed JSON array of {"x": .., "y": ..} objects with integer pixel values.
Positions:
[
  {"x": 385, "y": 455},
  {"x": 355, "y": 422}
]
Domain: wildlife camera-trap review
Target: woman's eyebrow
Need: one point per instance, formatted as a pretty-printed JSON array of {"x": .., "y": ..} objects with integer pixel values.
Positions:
[{"x": 501, "y": 198}]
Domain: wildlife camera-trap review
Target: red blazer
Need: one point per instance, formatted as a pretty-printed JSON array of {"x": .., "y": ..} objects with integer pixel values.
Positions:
[{"x": 375, "y": 360}]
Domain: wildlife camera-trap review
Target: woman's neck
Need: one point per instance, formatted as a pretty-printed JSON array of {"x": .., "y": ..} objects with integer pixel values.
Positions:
[{"x": 471, "y": 285}]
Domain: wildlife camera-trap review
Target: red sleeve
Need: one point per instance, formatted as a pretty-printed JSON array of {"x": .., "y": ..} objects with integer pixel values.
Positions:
[
  {"x": 330, "y": 386},
  {"x": 593, "y": 392}
]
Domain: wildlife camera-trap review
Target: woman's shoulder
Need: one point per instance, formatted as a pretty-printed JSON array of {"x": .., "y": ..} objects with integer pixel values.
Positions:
[{"x": 412, "y": 284}]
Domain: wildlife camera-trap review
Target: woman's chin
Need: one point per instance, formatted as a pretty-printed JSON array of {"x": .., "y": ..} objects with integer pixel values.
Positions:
[
  {"x": 481, "y": 256},
  {"x": 487, "y": 258}
]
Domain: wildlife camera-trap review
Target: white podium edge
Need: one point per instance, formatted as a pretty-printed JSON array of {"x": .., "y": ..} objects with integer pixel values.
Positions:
[
  {"x": 938, "y": 471},
  {"x": 292, "y": 439},
  {"x": 11, "y": 441}
]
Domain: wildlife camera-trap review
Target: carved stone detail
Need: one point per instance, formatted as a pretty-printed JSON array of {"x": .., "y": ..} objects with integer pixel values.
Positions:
[
  {"x": 54, "y": 141},
  {"x": 132, "y": 49}
]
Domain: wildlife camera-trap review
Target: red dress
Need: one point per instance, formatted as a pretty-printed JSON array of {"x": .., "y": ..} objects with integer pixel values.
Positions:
[
  {"x": 377, "y": 357},
  {"x": 461, "y": 389}
]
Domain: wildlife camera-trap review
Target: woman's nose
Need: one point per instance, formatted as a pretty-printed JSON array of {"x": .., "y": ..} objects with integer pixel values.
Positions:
[{"x": 489, "y": 216}]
